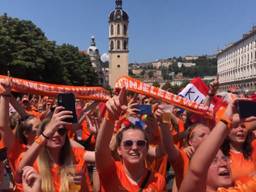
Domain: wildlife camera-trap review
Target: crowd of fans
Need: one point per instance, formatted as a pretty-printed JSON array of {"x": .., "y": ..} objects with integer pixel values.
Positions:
[{"x": 114, "y": 146}]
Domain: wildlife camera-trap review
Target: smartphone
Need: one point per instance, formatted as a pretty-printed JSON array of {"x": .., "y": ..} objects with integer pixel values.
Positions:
[
  {"x": 67, "y": 100},
  {"x": 144, "y": 109},
  {"x": 246, "y": 108}
]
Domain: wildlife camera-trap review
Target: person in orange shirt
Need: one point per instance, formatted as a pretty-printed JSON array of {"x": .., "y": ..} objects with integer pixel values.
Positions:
[
  {"x": 29, "y": 108},
  {"x": 61, "y": 166},
  {"x": 239, "y": 146},
  {"x": 209, "y": 169},
  {"x": 25, "y": 129},
  {"x": 130, "y": 174},
  {"x": 179, "y": 158}
]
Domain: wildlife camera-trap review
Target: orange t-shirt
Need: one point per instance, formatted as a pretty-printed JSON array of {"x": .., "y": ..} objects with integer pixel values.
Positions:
[
  {"x": 16, "y": 150},
  {"x": 175, "y": 133},
  {"x": 78, "y": 161},
  {"x": 180, "y": 167},
  {"x": 115, "y": 180},
  {"x": 33, "y": 112},
  {"x": 247, "y": 186},
  {"x": 241, "y": 167},
  {"x": 86, "y": 134}
]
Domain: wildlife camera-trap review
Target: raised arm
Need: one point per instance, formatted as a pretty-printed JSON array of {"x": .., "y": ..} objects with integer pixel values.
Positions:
[
  {"x": 5, "y": 130},
  {"x": 21, "y": 111},
  {"x": 213, "y": 88},
  {"x": 195, "y": 180},
  {"x": 174, "y": 155},
  {"x": 104, "y": 159}
]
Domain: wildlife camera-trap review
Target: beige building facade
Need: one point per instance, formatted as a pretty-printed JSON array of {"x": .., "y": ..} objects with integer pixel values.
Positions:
[
  {"x": 118, "y": 43},
  {"x": 236, "y": 64}
]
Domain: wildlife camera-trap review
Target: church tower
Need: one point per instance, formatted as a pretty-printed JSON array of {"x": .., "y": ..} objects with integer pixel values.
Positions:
[
  {"x": 94, "y": 55},
  {"x": 118, "y": 43}
]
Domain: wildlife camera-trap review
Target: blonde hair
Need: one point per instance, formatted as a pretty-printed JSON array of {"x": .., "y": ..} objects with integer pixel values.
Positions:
[{"x": 66, "y": 160}]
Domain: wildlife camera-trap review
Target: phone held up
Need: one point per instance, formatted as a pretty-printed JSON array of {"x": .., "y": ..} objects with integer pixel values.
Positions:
[
  {"x": 68, "y": 101},
  {"x": 144, "y": 109},
  {"x": 246, "y": 108}
]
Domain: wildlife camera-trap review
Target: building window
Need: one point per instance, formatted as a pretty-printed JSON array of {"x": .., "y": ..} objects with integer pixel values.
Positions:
[
  {"x": 125, "y": 29},
  {"x": 112, "y": 29},
  {"x": 118, "y": 29},
  {"x": 118, "y": 66},
  {"x": 118, "y": 56},
  {"x": 111, "y": 45},
  {"x": 125, "y": 45},
  {"x": 118, "y": 44}
]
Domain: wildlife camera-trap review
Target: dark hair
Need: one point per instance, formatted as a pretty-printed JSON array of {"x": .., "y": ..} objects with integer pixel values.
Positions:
[
  {"x": 119, "y": 135},
  {"x": 22, "y": 127},
  {"x": 246, "y": 147},
  {"x": 14, "y": 120},
  {"x": 189, "y": 131}
]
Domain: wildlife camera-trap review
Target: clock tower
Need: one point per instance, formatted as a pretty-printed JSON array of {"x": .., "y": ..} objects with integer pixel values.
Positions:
[{"x": 118, "y": 43}]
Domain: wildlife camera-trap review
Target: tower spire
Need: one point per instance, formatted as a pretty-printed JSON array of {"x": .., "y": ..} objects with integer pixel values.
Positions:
[
  {"x": 119, "y": 4},
  {"x": 93, "y": 43}
]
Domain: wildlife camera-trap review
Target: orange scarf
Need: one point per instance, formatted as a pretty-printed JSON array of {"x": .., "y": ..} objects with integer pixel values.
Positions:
[
  {"x": 137, "y": 86},
  {"x": 39, "y": 88}
]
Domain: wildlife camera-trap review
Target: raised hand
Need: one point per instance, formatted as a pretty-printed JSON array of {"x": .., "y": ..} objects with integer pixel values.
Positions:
[
  {"x": 5, "y": 86},
  {"x": 57, "y": 120},
  {"x": 213, "y": 87},
  {"x": 159, "y": 113},
  {"x": 189, "y": 150},
  {"x": 131, "y": 109},
  {"x": 114, "y": 105}
]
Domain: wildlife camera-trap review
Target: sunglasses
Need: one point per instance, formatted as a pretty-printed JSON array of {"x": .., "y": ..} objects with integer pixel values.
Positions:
[
  {"x": 62, "y": 131},
  {"x": 130, "y": 143}
]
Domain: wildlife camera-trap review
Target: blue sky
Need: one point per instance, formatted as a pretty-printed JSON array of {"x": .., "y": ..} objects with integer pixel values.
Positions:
[{"x": 157, "y": 28}]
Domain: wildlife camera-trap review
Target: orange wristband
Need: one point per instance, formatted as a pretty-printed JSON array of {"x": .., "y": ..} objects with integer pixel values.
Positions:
[{"x": 39, "y": 140}]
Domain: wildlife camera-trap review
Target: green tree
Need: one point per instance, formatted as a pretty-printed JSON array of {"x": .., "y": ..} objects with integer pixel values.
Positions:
[
  {"x": 77, "y": 68},
  {"x": 27, "y": 53},
  {"x": 156, "y": 84},
  {"x": 166, "y": 86},
  {"x": 151, "y": 74},
  {"x": 142, "y": 73},
  {"x": 23, "y": 48}
]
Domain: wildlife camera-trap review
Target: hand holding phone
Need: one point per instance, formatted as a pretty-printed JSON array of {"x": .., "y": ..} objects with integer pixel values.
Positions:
[{"x": 67, "y": 100}]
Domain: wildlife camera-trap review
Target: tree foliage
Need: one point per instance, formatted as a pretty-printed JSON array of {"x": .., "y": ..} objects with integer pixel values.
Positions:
[
  {"x": 27, "y": 53},
  {"x": 156, "y": 84},
  {"x": 204, "y": 67}
]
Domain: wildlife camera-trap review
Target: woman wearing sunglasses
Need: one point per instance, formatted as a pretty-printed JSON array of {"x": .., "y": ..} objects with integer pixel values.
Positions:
[
  {"x": 130, "y": 174},
  {"x": 60, "y": 165}
]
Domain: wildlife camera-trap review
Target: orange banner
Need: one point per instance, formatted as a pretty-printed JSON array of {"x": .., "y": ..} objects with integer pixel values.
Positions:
[
  {"x": 137, "y": 86},
  {"x": 39, "y": 88}
]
